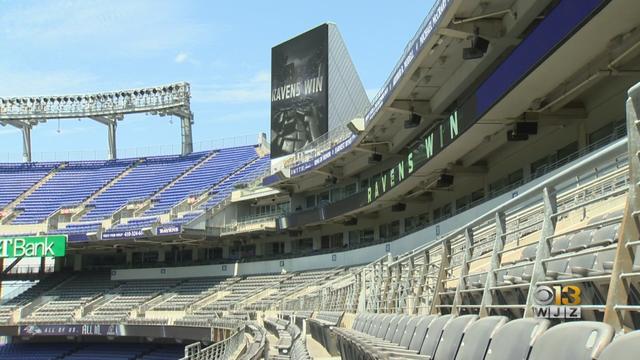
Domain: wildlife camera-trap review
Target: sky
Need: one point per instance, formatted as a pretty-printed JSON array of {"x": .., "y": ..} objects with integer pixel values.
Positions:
[{"x": 222, "y": 48}]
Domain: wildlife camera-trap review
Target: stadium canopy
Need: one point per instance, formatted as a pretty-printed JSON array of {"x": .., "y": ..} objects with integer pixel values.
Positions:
[{"x": 106, "y": 108}]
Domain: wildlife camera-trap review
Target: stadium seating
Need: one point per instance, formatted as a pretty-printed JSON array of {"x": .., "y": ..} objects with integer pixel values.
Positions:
[
  {"x": 224, "y": 188},
  {"x": 71, "y": 185},
  {"x": 143, "y": 181},
  {"x": 15, "y": 179},
  {"x": 213, "y": 170}
]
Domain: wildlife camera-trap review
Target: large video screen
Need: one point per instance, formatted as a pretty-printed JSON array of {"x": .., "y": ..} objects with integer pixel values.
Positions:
[{"x": 299, "y": 91}]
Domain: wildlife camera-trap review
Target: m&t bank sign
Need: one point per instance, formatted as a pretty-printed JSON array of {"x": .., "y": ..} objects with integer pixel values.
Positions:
[{"x": 33, "y": 246}]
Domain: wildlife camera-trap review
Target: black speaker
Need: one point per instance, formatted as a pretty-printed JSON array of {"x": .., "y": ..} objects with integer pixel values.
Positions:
[
  {"x": 351, "y": 222},
  {"x": 375, "y": 158},
  {"x": 445, "y": 180},
  {"x": 414, "y": 121},
  {"x": 522, "y": 130},
  {"x": 513, "y": 136},
  {"x": 398, "y": 207},
  {"x": 479, "y": 47},
  {"x": 527, "y": 127}
]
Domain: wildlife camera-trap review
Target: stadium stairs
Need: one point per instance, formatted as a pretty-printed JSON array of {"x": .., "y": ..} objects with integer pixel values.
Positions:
[
  {"x": 147, "y": 204},
  {"x": 83, "y": 209},
  {"x": 9, "y": 210}
]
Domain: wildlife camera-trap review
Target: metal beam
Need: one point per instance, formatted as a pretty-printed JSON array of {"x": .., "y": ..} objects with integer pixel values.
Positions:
[{"x": 187, "y": 137}]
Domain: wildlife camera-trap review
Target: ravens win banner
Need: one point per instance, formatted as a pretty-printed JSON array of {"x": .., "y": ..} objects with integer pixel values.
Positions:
[{"x": 299, "y": 81}]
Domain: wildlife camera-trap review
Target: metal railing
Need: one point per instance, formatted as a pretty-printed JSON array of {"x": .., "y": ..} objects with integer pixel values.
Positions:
[
  {"x": 226, "y": 349},
  {"x": 415, "y": 281},
  {"x": 134, "y": 152}
]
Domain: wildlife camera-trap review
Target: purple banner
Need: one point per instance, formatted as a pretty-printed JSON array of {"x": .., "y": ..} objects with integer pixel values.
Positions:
[
  {"x": 168, "y": 230},
  {"x": 409, "y": 57},
  {"x": 112, "y": 235},
  {"x": 77, "y": 329},
  {"x": 324, "y": 157}
]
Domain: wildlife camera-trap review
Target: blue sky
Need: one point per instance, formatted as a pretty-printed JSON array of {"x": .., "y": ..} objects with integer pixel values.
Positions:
[{"x": 222, "y": 48}]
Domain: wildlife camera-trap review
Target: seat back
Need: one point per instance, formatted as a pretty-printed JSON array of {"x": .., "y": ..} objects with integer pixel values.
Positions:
[
  {"x": 398, "y": 329},
  {"x": 513, "y": 340},
  {"x": 605, "y": 235},
  {"x": 580, "y": 241},
  {"x": 409, "y": 330},
  {"x": 431, "y": 341},
  {"x": 452, "y": 336},
  {"x": 421, "y": 331},
  {"x": 376, "y": 321},
  {"x": 559, "y": 245},
  {"x": 391, "y": 328},
  {"x": 586, "y": 261},
  {"x": 477, "y": 337},
  {"x": 359, "y": 321},
  {"x": 574, "y": 340},
  {"x": 624, "y": 347},
  {"x": 377, "y": 324},
  {"x": 529, "y": 253}
]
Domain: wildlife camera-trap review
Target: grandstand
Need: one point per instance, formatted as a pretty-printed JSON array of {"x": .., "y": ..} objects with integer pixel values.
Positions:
[{"x": 484, "y": 206}]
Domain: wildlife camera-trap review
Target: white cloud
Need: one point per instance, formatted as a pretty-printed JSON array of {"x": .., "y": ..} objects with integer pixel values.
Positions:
[
  {"x": 181, "y": 57},
  {"x": 255, "y": 89},
  {"x": 127, "y": 27}
]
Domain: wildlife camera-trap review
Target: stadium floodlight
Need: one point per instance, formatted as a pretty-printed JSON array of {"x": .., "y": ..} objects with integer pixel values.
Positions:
[{"x": 107, "y": 108}]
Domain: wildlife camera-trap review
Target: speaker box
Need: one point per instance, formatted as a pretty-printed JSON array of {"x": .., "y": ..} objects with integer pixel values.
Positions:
[
  {"x": 414, "y": 121},
  {"x": 398, "y": 207},
  {"x": 445, "y": 180},
  {"x": 375, "y": 158}
]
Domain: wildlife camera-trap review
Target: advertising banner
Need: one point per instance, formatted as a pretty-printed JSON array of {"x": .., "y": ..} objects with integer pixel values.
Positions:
[
  {"x": 299, "y": 109},
  {"x": 33, "y": 246}
]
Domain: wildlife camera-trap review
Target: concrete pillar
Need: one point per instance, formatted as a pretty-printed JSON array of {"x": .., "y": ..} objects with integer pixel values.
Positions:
[
  {"x": 161, "y": 255},
  {"x": 225, "y": 251},
  {"x": 259, "y": 248},
  {"x": 317, "y": 241},
  {"x": 195, "y": 254},
  {"x": 26, "y": 143},
  {"x": 287, "y": 246},
  {"x": 77, "y": 262},
  {"x": 187, "y": 139},
  {"x": 129, "y": 257},
  {"x": 58, "y": 264},
  {"x": 582, "y": 135},
  {"x": 113, "y": 154}
]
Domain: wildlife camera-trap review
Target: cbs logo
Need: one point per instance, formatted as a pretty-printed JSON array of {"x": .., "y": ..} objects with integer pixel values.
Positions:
[{"x": 558, "y": 295}]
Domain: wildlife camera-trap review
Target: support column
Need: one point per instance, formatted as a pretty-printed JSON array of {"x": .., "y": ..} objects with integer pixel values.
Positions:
[
  {"x": 26, "y": 143},
  {"x": 77, "y": 262},
  {"x": 187, "y": 138},
  {"x": 112, "y": 139},
  {"x": 161, "y": 255}
]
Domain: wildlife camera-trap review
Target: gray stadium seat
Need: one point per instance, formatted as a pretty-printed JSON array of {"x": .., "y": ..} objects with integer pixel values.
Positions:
[
  {"x": 579, "y": 266},
  {"x": 452, "y": 336},
  {"x": 415, "y": 343},
  {"x": 514, "y": 339},
  {"x": 604, "y": 236},
  {"x": 580, "y": 340},
  {"x": 580, "y": 241},
  {"x": 432, "y": 339},
  {"x": 624, "y": 347},
  {"x": 559, "y": 245},
  {"x": 555, "y": 268},
  {"x": 477, "y": 337}
]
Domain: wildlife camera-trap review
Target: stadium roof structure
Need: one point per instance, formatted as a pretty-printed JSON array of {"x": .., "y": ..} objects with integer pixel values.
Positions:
[{"x": 106, "y": 108}]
